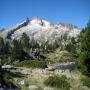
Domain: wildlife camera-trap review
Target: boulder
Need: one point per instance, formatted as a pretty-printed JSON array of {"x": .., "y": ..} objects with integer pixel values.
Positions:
[{"x": 33, "y": 87}]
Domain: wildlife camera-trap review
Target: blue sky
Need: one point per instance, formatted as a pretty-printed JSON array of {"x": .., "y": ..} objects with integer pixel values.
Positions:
[{"x": 76, "y": 12}]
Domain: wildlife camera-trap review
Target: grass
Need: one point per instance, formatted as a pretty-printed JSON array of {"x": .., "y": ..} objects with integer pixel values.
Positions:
[
  {"x": 60, "y": 57},
  {"x": 86, "y": 81},
  {"x": 27, "y": 82},
  {"x": 58, "y": 82},
  {"x": 32, "y": 63}
]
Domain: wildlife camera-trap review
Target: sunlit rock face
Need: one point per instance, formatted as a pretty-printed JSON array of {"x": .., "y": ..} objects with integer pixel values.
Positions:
[{"x": 40, "y": 30}]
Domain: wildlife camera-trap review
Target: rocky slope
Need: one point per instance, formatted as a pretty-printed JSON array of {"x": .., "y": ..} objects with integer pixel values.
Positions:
[{"x": 40, "y": 30}]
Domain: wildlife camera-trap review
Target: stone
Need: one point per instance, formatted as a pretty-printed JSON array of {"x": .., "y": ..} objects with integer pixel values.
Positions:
[
  {"x": 33, "y": 87},
  {"x": 21, "y": 82},
  {"x": 7, "y": 66},
  {"x": 48, "y": 88}
]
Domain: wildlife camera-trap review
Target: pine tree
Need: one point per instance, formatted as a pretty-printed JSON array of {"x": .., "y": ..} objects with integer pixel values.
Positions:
[
  {"x": 84, "y": 62},
  {"x": 2, "y": 45},
  {"x": 25, "y": 41},
  {"x": 16, "y": 52},
  {"x": 73, "y": 40},
  {"x": 7, "y": 48},
  {"x": 71, "y": 46}
]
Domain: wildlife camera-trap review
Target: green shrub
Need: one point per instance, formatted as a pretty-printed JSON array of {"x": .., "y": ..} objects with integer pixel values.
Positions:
[
  {"x": 57, "y": 82},
  {"x": 67, "y": 57},
  {"x": 86, "y": 81},
  {"x": 7, "y": 79},
  {"x": 32, "y": 63}
]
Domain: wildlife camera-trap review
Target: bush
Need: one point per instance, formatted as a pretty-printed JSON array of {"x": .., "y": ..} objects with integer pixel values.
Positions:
[
  {"x": 32, "y": 63},
  {"x": 7, "y": 80},
  {"x": 57, "y": 82},
  {"x": 86, "y": 81}
]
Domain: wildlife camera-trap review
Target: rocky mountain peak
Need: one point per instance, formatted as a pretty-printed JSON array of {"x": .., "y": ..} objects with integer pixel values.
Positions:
[
  {"x": 41, "y": 30},
  {"x": 36, "y": 21},
  {"x": 40, "y": 22}
]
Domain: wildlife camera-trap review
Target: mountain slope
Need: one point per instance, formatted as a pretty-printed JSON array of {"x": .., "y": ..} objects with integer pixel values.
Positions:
[{"x": 40, "y": 30}]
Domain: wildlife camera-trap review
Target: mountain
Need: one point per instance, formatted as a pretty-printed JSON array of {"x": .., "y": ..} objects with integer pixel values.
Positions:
[{"x": 40, "y": 30}]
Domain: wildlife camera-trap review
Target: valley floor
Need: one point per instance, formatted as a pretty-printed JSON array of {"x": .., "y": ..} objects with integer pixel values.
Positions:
[{"x": 32, "y": 79}]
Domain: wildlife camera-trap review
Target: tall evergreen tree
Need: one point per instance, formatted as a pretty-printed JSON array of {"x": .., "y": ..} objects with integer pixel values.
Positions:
[
  {"x": 25, "y": 41},
  {"x": 2, "y": 45},
  {"x": 16, "y": 52},
  {"x": 7, "y": 48},
  {"x": 84, "y": 62},
  {"x": 71, "y": 46}
]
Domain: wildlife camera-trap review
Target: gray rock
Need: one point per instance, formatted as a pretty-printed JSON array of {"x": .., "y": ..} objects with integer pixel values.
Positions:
[{"x": 33, "y": 87}]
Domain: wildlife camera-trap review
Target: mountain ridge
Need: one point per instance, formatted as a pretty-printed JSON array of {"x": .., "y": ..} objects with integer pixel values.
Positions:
[{"x": 41, "y": 30}]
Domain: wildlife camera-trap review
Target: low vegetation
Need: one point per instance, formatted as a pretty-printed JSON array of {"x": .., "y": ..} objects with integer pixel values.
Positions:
[
  {"x": 86, "y": 81},
  {"x": 60, "y": 57},
  {"x": 58, "y": 82},
  {"x": 7, "y": 81},
  {"x": 32, "y": 64}
]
